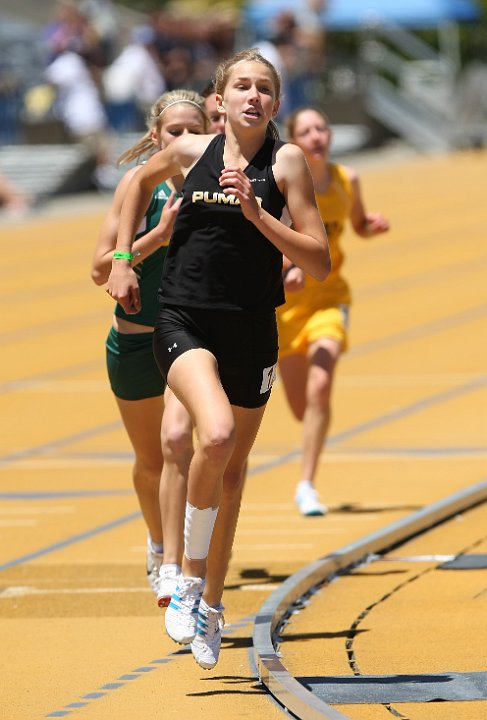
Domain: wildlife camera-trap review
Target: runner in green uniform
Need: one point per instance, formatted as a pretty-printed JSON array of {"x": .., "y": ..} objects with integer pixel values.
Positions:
[{"x": 135, "y": 379}]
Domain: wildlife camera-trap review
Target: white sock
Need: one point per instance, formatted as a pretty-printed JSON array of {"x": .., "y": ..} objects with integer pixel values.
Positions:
[
  {"x": 198, "y": 529},
  {"x": 305, "y": 485},
  {"x": 204, "y": 606}
]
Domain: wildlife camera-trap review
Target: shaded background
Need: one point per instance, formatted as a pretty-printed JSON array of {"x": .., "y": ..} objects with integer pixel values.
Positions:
[{"x": 413, "y": 72}]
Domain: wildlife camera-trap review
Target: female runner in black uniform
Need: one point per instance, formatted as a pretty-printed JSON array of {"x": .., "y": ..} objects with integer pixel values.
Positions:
[{"x": 216, "y": 335}]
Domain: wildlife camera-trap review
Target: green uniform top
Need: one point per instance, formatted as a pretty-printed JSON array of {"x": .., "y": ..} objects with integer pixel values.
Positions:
[{"x": 149, "y": 270}]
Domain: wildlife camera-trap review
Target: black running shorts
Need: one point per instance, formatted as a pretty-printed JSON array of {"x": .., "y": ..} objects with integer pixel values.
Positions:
[{"x": 244, "y": 344}]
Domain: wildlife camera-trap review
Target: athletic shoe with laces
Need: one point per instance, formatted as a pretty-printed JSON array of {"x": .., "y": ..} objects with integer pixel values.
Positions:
[
  {"x": 154, "y": 562},
  {"x": 168, "y": 580},
  {"x": 206, "y": 644},
  {"x": 182, "y": 611},
  {"x": 307, "y": 500}
]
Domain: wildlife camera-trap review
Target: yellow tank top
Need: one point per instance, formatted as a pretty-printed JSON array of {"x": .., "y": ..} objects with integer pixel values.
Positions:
[{"x": 334, "y": 206}]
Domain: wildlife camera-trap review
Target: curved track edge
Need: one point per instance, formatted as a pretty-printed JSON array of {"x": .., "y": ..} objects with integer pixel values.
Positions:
[{"x": 272, "y": 673}]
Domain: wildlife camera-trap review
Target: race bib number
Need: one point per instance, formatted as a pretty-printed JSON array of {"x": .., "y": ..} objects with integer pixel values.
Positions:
[{"x": 268, "y": 377}]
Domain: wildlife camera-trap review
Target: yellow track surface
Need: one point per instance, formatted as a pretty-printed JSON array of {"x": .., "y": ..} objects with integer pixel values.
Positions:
[{"x": 81, "y": 635}]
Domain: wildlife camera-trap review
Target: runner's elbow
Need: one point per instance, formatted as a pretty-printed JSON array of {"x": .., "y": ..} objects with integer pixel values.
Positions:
[
  {"x": 98, "y": 277},
  {"x": 322, "y": 269}
]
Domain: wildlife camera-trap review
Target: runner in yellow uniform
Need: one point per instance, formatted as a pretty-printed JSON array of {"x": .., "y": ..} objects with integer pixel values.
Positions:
[{"x": 313, "y": 322}]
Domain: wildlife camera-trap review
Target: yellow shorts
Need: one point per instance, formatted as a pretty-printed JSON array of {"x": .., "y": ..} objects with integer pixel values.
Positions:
[{"x": 299, "y": 327}]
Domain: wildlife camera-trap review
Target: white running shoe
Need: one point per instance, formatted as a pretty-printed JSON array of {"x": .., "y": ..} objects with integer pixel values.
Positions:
[
  {"x": 307, "y": 500},
  {"x": 154, "y": 562},
  {"x": 182, "y": 611},
  {"x": 206, "y": 644},
  {"x": 168, "y": 580}
]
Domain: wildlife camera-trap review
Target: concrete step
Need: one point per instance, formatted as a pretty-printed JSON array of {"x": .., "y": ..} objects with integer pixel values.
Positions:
[{"x": 46, "y": 170}]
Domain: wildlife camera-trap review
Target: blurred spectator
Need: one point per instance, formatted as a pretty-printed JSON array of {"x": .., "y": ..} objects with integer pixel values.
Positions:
[
  {"x": 176, "y": 48},
  {"x": 79, "y": 103},
  {"x": 295, "y": 48},
  {"x": 71, "y": 30},
  {"x": 269, "y": 49},
  {"x": 103, "y": 18},
  {"x": 283, "y": 51},
  {"x": 177, "y": 66},
  {"x": 133, "y": 80},
  {"x": 190, "y": 47},
  {"x": 80, "y": 108},
  {"x": 310, "y": 27}
]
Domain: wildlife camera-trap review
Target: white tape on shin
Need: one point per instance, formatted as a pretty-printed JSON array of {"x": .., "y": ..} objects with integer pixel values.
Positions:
[{"x": 198, "y": 528}]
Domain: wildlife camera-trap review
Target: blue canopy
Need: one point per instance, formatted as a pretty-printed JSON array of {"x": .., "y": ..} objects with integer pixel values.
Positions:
[{"x": 354, "y": 14}]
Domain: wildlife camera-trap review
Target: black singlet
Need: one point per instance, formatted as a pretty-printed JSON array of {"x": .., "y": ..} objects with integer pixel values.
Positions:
[{"x": 217, "y": 259}]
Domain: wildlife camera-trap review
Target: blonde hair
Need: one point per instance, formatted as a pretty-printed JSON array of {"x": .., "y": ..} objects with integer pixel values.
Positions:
[
  {"x": 145, "y": 146},
  {"x": 290, "y": 122},
  {"x": 223, "y": 71}
]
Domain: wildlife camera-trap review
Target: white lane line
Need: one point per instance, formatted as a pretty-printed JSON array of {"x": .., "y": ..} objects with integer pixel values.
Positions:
[
  {"x": 285, "y": 531},
  {"x": 38, "y": 510},
  {"x": 418, "y": 558},
  {"x": 267, "y": 506},
  {"x": 69, "y": 463},
  {"x": 273, "y": 546},
  {"x": 69, "y": 386},
  {"x": 361, "y": 514},
  {"x": 60, "y": 386},
  {"x": 334, "y": 455},
  {"x": 404, "y": 455},
  {"x": 271, "y": 507},
  {"x": 260, "y": 587},
  {"x": 268, "y": 519},
  {"x": 20, "y": 591},
  {"x": 138, "y": 549},
  {"x": 394, "y": 380},
  {"x": 125, "y": 459}
]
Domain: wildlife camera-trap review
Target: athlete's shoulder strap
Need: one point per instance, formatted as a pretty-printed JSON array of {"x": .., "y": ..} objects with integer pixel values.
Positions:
[{"x": 343, "y": 177}]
